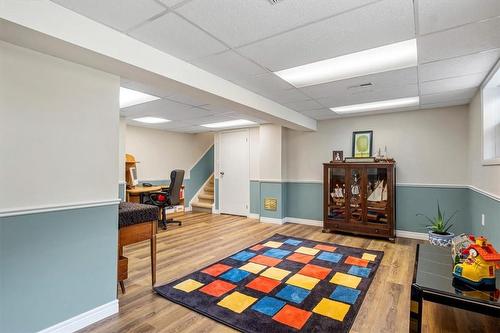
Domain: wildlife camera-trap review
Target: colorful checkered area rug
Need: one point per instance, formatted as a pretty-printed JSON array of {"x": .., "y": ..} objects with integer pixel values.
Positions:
[{"x": 282, "y": 284}]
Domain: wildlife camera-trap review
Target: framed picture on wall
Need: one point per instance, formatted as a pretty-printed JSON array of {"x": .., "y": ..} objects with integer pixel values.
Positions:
[
  {"x": 338, "y": 156},
  {"x": 362, "y": 144}
]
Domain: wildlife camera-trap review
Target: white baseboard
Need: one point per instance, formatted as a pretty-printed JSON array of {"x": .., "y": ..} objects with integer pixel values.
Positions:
[
  {"x": 316, "y": 223},
  {"x": 215, "y": 211},
  {"x": 85, "y": 319},
  {"x": 188, "y": 209},
  {"x": 412, "y": 234},
  {"x": 271, "y": 220},
  {"x": 253, "y": 216}
]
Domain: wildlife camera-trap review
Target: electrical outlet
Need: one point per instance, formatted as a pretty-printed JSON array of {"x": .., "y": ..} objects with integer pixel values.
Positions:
[{"x": 482, "y": 220}]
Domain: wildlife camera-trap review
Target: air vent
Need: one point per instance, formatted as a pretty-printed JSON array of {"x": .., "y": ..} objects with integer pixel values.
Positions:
[
  {"x": 361, "y": 87},
  {"x": 369, "y": 84},
  {"x": 274, "y": 2}
]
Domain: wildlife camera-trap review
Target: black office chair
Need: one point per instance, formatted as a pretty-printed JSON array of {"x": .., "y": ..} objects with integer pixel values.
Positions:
[{"x": 168, "y": 197}]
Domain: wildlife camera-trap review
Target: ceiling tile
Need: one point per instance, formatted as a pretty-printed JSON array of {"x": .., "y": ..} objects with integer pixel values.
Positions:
[
  {"x": 443, "y": 14},
  {"x": 375, "y": 25},
  {"x": 118, "y": 14},
  {"x": 463, "y": 40},
  {"x": 147, "y": 89},
  {"x": 455, "y": 83},
  {"x": 321, "y": 114},
  {"x": 470, "y": 64},
  {"x": 186, "y": 99},
  {"x": 448, "y": 96},
  {"x": 171, "y": 3},
  {"x": 175, "y": 36},
  {"x": 272, "y": 87},
  {"x": 159, "y": 108},
  {"x": 229, "y": 65},
  {"x": 239, "y": 22},
  {"x": 446, "y": 104},
  {"x": 304, "y": 105}
]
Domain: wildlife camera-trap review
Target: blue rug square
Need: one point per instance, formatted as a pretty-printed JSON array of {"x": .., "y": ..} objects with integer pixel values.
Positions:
[
  {"x": 345, "y": 294},
  {"x": 293, "y": 294},
  {"x": 235, "y": 275},
  {"x": 268, "y": 305},
  {"x": 330, "y": 256},
  {"x": 291, "y": 241},
  {"x": 277, "y": 253},
  {"x": 359, "y": 271},
  {"x": 243, "y": 256}
]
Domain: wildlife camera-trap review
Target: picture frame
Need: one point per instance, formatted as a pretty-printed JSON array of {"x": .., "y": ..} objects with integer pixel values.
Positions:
[
  {"x": 337, "y": 156},
  {"x": 362, "y": 144}
]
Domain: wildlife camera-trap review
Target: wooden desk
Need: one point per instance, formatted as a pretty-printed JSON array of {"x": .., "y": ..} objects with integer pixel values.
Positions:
[
  {"x": 137, "y": 223},
  {"x": 134, "y": 194}
]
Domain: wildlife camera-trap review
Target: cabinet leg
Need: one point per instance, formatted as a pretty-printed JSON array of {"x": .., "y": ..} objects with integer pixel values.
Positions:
[
  {"x": 325, "y": 230},
  {"x": 122, "y": 286}
]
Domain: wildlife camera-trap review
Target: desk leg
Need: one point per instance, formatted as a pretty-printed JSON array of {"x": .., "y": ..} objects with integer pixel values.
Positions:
[{"x": 153, "y": 254}]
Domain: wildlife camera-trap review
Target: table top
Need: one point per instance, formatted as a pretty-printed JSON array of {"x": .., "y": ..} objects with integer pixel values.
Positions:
[
  {"x": 130, "y": 213},
  {"x": 433, "y": 274},
  {"x": 143, "y": 189}
]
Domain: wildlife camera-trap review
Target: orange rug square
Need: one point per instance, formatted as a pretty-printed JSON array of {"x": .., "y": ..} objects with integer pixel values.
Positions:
[
  {"x": 356, "y": 261},
  {"x": 217, "y": 288},
  {"x": 315, "y": 271},
  {"x": 263, "y": 284},
  {"x": 257, "y": 247},
  {"x": 265, "y": 260},
  {"x": 292, "y": 316},
  {"x": 325, "y": 248},
  {"x": 216, "y": 270},
  {"x": 299, "y": 257}
]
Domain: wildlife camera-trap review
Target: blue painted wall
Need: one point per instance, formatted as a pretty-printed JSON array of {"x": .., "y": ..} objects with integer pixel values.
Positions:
[
  {"x": 305, "y": 200},
  {"x": 482, "y": 204},
  {"x": 199, "y": 175},
  {"x": 56, "y": 265},
  {"x": 272, "y": 190},
  {"x": 255, "y": 197}
]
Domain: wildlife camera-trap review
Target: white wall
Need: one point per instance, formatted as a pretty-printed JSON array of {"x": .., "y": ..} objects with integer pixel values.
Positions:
[
  {"x": 270, "y": 146},
  {"x": 159, "y": 152},
  {"x": 58, "y": 131},
  {"x": 429, "y": 146},
  {"x": 484, "y": 177},
  {"x": 121, "y": 149},
  {"x": 254, "y": 143}
]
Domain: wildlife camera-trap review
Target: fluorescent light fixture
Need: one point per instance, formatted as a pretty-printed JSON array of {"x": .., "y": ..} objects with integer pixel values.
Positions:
[
  {"x": 129, "y": 97},
  {"x": 381, "y": 59},
  {"x": 230, "y": 123},
  {"x": 151, "y": 120},
  {"x": 381, "y": 105}
]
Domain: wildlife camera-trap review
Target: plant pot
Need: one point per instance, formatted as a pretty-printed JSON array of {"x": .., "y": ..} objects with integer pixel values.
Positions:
[{"x": 440, "y": 240}]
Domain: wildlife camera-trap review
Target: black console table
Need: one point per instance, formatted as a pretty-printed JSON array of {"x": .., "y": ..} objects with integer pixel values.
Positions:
[{"x": 433, "y": 282}]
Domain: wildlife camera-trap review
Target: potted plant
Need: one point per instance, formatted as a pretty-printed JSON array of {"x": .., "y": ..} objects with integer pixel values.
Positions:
[{"x": 439, "y": 228}]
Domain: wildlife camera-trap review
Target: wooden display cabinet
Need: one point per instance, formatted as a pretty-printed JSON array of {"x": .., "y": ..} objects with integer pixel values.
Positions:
[{"x": 360, "y": 198}]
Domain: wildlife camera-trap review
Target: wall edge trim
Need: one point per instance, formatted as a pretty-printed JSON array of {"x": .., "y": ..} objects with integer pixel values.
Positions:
[
  {"x": 253, "y": 216},
  {"x": 296, "y": 220},
  {"x": 55, "y": 208},
  {"x": 271, "y": 220},
  {"x": 84, "y": 319},
  {"x": 485, "y": 193},
  {"x": 412, "y": 234},
  {"x": 432, "y": 185}
]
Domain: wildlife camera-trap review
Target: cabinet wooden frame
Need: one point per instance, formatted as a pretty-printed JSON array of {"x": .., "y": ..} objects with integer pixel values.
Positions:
[{"x": 362, "y": 226}]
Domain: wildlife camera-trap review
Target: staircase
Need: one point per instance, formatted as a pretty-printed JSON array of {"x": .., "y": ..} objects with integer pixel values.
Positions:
[{"x": 205, "y": 199}]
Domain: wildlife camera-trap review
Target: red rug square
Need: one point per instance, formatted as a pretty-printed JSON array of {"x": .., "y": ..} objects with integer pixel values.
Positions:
[
  {"x": 257, "y": 247},
  {"x": 216, "y": 270},
  {"x": 356, "y": 261},
  {"x": 327, "y": 248},
  {"x": 217, "y": 288},
  {"x": 292, "y": 316},
  {"x": 314, "y": 271},
  {"x": 263, "y": 284},
  {"x": 265, "y": 260},
  {"x": 299, "y": 257}
]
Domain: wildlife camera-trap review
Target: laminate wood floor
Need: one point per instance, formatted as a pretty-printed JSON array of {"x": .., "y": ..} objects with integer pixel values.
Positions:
[{"x": 205, "y": 238}]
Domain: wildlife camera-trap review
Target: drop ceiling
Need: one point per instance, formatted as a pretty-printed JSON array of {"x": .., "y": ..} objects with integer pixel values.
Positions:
[{"x": 246, "y": 41}]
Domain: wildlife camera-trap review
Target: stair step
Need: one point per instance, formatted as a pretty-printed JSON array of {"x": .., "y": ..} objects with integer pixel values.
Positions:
[
  {"x": 202, "y": 205},
  {"x": 209, "y": 190},
  {"x": 206, "y": 196}
]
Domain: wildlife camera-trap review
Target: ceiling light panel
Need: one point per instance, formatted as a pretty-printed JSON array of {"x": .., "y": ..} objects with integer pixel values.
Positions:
[
  {"x": 129, "y": 97},
  {"x": 381, "y": 59},
  {"x": 376, "y": 106},
  {"x": 151, "y": 120},
  {"x": 230, "y": 123}
]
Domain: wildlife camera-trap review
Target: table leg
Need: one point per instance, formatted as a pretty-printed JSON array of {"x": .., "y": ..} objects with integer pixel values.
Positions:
[{"x": 153, "y": 254}]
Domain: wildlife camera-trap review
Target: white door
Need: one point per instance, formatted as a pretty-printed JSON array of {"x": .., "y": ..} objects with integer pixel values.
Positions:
[{"x": 234, "y": 173}]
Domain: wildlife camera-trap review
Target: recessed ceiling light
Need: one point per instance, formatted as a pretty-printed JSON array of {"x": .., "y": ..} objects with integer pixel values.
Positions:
[
  {"x": 381, "y": 105},
  {"x": 381, "y": 59},
  {"x": 129, "y": 97},
  {"x": 151, "y": 120},
  {"x": 230, "y": 123}
]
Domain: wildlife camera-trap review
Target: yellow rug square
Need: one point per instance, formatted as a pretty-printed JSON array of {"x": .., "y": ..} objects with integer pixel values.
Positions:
[
  {"x": 369, "y": 256},
  {"x": 253, "y": 267},
  {"x": 237, "y": 302},
  {"x": 275, "y": 273},
  {"x": 332, "y": 309},
  {"x": 272, "y": 244},
  {"x": 307, "y": 250},
  {"x": 347, "y": 280},
  {"x": 188, "y": 285},
  {"x": 302, "y": 281}
]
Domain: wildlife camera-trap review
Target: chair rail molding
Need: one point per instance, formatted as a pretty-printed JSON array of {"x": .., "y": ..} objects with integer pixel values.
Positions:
[{"x": 59, "y": 207}]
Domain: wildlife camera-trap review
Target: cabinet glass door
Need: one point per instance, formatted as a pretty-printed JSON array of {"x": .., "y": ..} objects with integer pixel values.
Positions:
[
  {"x": 337, "y": 195},
  {"x": 356, "y": 195},
  {"x": 377, "y": 201}
]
